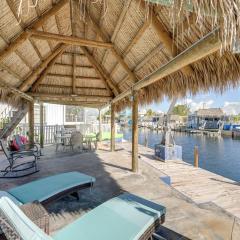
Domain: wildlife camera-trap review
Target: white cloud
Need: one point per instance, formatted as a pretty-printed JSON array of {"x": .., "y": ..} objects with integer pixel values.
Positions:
[{"x": 231, "y": 108}]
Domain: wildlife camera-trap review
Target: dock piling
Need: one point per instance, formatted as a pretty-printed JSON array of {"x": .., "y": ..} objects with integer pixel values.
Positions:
[{"x": 196, "y": 156}]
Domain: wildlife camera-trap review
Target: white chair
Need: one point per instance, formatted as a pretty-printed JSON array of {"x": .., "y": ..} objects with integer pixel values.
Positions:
[{"x": 77, "y": 141}]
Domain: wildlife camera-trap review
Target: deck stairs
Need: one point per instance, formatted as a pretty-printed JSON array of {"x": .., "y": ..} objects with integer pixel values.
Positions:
[{"x": 10, "y": 117}]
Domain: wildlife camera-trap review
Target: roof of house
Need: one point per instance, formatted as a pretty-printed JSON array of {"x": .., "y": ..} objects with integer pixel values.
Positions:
[
  {"x": 91, "y": 52},
  {"x": 210, "y": 112}
]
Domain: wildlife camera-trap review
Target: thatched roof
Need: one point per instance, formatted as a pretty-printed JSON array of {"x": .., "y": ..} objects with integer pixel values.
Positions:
[{"x": 44, "y": 52}]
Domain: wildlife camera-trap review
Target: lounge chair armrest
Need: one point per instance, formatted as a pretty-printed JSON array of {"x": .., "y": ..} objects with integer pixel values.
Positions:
[
  {"x": 38, "y": 214},
  {"x": 23, "y": 153}
]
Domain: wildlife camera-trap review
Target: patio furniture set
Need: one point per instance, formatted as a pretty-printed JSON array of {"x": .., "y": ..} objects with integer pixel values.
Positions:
[
  {"x": 126, "y": 217},
  {"x": 75, "y": 141}
]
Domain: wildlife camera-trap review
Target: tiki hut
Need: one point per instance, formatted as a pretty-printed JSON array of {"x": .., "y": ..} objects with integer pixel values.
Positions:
[{"x": 93, "y": 53}]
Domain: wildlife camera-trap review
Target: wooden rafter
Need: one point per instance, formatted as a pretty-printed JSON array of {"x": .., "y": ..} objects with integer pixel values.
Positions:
[
  {"x": 36, "y": 24},
  {"x": 15, "y": 91},
  {"x": 39, "y": 80},
  {"x": 21, "y": 24},
  {"x": 69, "y": 65},
  {"x": 164, "y": 37},
  {"x": 102, "y": 74},
  {"x": 74, "y": 74},
  {"x": 77, "y": 87},
  {"x": 70, "y": 76},
  {"x": 118, "y": 26},
  {"x": 68, "y": 39},
  {"x": 27, "y": 83},
  {"x": 117, "y": 55},
  {"x": 204, "y": 47},
  {"x": 75, "y": 103},
  {"x": 80, "y": 97}
]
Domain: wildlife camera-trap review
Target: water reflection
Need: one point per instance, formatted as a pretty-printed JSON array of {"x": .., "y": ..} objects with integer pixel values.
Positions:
[{"x": 218, "y": 155}]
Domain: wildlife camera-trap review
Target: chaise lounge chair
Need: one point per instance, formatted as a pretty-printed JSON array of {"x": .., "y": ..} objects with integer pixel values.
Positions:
[
  {"x": 126, "y": 217},
  {"x": 49, "y": 189}
]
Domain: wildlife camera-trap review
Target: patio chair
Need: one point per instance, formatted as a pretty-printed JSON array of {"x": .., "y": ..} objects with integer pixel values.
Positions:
[
  {"x": 126, "y": 217},
  {"x": 26, "y": 146},
  {"x": 21, "y": 163},
  {"x": 48, "y": 189},
  {"x": 77, "y": 141}
]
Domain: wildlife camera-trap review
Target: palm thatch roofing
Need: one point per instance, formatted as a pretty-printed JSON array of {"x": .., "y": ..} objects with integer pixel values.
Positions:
[{"x": 89, "y": 52}]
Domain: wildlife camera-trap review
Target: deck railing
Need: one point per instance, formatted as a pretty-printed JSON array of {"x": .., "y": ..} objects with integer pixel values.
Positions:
[{"x": 50, "y": 130}]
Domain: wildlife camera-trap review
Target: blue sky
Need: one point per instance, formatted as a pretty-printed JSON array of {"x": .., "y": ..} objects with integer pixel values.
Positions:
[{"x": 229, "y": 101}]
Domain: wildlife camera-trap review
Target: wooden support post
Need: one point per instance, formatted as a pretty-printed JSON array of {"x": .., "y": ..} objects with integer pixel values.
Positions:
[
  {"x": 135, "y": 132},
  {"x": 196, "y": 156},
  {"x": 31, "y": 123},
  {"x": 112, "y": 127},
  {"x": 41, "y": 126},
  {"x": 100, "y": 125}
]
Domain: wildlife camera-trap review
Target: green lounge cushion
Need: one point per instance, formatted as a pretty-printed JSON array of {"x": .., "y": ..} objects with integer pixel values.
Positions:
[
  {"x": 124, "y": 217},
  {"x": 45, "y": 188}
]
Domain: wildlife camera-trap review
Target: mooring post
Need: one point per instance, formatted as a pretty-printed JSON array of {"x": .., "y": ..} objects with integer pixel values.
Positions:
[{"x": 196, "y": 156}]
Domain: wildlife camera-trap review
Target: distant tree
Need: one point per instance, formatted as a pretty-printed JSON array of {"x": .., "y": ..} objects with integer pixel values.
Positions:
[
  {"x": 236, "y": 118},
  {"x": 150, "y": 113},
  {"x": 181, "y": 110}
]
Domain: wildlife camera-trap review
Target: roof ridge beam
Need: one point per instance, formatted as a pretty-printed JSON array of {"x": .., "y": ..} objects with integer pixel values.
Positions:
[{"x": 36, "y": 24}]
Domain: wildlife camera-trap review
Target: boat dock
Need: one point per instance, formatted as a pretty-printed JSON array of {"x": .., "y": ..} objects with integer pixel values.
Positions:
[{"x": 199, "y": 185}]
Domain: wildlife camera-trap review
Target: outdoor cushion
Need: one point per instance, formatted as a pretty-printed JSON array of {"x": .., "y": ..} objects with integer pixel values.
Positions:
[
  {"x": 45, "y": 188},
  {"x": 22, "y": 225},
  {"x": 6, "y": 194},
  {"x": 124, "y": 217}
]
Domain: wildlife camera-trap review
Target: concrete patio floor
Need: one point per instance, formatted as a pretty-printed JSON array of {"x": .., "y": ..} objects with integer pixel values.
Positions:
[{"x": 113, "y": 176}]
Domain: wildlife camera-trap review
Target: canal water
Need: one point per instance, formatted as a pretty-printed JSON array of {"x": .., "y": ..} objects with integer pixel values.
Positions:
[{"x": 218, "y": 155}]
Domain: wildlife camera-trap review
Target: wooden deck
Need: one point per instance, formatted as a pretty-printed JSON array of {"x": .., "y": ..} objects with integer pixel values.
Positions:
[
  {"x": 113, "y": 176},
  {"x": 201, "y": 186}
]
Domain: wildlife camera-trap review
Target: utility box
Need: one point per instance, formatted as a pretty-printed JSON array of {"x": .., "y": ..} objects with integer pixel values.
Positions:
[{"x": 164, "y": 153}]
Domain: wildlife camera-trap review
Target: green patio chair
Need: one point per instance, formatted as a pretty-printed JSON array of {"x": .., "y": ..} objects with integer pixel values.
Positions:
[
  {"x": 126, "y": 217},
  {"x": 49, "y": 189}
]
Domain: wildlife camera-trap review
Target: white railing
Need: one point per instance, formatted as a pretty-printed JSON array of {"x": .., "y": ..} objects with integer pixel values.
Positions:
[{"x": 50, "y": 130}]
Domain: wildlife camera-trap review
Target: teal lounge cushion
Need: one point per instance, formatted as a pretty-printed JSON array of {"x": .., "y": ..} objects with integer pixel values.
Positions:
[
  {"x": 125, "y": 217},
  {"x": 45, "y": 188},
  {"x": 21, "y": 224}
]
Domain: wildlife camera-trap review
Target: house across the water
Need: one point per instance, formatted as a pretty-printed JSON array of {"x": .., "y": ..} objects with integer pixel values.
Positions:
[{"x": 206, "y": 118}]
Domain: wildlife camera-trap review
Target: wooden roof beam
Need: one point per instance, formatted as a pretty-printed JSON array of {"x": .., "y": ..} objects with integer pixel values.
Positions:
[
  {"x": 165, "y": 38},
  {"x": 68, "y": 39},
  {"x": 76, "y": 103},
  {"x": 202, "y": 48},
  {"x": 74, "y": 74},
  {"x": 36, "y": 24},
  {"x": 103, "y": 75},
  {"x": 77, "y": 97},
  {"x": 40, "y": 79},
  {"x": 27, "y": 83},
  {"x": 15, "y": 91}
]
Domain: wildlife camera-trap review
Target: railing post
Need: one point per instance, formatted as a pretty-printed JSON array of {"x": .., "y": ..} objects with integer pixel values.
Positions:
[
  {"x": 196, "y": 156},
  {"x": 135, "y": 131},
  {"x": 112, "y": 127},
  {"x": 41, "y": 126},
  {"x": 100, "y": 125},
  {"x": 31, "y": 123}
]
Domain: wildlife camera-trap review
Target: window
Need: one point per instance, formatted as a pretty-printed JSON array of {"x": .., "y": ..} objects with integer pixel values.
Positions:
[{"x": 74, "y": 114}]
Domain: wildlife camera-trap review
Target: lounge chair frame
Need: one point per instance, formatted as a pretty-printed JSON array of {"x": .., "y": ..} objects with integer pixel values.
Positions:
[{"x": 13, "y": 170}]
